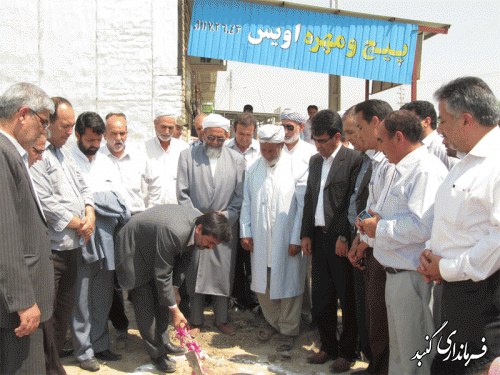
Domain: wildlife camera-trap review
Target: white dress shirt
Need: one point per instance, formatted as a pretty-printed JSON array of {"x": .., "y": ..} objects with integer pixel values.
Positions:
[
  {"x": 319, "y": 215},
  {"x": 407, "y": 210},
  {"x": 382, "y": 172},
  {"x": 251, "y": 154},
  {"x": 466, "y": 230},
  {"x": 131, "y": 168},
  {"x": 100, "y": 174},
  {"x": 161, "y": 171},
  {"x": 301, "y": 152},
  {"x": 434, "y": 143}
]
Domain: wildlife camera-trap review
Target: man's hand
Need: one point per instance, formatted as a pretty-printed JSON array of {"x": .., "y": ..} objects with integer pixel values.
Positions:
[
  {"x": 369, "y": 226},
  {"x": 177, "y": 296},
  {"x": 293, "y": 250},
  {"x": 88, "y": 222},
  {"x": 341, "y": 248},
  {"x": 247, "y": 243},
  {"x": 351, "y": 255},
  {"x": 30, "y": 319},
  {"x": 306, "y": 245},
  {"x": 177, "y": 317},
  {"x": 429, "y": 266}
]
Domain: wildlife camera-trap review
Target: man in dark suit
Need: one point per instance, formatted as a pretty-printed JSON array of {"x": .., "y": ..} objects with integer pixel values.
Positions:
[
  {"x": 26, "y": 273},
  {"x": 332, "y": 175},
  {"x": 152, "y": 250}
]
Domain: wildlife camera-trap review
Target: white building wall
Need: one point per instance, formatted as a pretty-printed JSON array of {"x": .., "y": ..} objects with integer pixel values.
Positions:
[{"x": 102, "y": 55}]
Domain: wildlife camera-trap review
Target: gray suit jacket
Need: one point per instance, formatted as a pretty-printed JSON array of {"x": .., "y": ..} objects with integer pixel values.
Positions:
[
  {"x": 212, "y": 272},
  {"x": 26, "y": 269},
  {"x": 151, "y": 247}
]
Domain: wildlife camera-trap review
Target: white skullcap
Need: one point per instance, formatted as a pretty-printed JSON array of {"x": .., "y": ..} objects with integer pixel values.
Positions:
[
  {"x": 271, "y": 134},
  {"x": 216, "y": 121},
  {"x": 160, "y": 112},
  {"x": 289, "y": 114}
]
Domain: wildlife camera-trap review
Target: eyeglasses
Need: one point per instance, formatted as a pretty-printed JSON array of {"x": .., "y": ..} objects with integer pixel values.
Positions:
[
  {"x": 39, "y": 152},
  {"x": 212, "y": 138},
  {"x": 289, "y": 127},
  {"x": 45, "y": 123},
  {"x": 321, "y": 141}
]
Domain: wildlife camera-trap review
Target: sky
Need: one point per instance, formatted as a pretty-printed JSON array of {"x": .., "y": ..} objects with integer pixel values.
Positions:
[{"x": 471, "y": 48}]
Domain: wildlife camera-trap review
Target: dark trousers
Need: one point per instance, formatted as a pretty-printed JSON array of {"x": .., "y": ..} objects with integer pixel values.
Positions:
[
  {"x": 242, "y": 274},
  {"x": 151, "y": 317},
  {"x": 473, "y": 310},
  {"x": 359, "y": 289},
  {"x": 117, "y": 312},
  {"x": 376, "y": 314},
  {"x": 55, "y": 329},
  {"x": 21, "y": 355},
  {"x": 332, "y": 279}
]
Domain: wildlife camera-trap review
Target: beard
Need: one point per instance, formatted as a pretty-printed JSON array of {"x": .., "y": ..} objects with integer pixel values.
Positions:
[
  {"x": 118, "y": 146},
  {"x": 292, "y": 139},
  {"x": 164, "y": 137},
  {"x": 91, "y": 151},
  {"x": 212, "y": 152},
  {"x": 272, "y": 163}
]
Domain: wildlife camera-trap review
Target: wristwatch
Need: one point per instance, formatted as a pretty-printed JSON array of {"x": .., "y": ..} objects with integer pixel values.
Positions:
[{"x": 342, "y": 239}]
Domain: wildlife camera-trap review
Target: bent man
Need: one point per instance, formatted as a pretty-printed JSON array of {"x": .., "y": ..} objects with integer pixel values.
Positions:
[{"x": 152, "y": 250}]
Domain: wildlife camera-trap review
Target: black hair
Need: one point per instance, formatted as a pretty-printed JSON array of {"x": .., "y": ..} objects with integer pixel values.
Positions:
[
  {"x": 423, "y": 109},
  {"x": 405, "y": 122},
  {"x": 216, "y": 225},
  {"x": 327, "y": 121},
  {"x": 90, "y": 120},
  {"x": 373, "y": 107}
]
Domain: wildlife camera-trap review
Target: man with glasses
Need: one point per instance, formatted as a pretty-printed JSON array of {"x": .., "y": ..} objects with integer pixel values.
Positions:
[
  {"x": 26, "y": 281},
  {"x": 162, "y": 152},
  {"x": 301, "y": 152},
  {"x": 36, "y": 151},
  {"x": 244, "y": 126},
  {"x": 68, "y": 206},
  {"x": 210, "y": 178},
  {"x": 331, "y": 181}
]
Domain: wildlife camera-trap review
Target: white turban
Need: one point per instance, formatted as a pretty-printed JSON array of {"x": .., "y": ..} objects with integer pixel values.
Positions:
[
  {"x": 271, "y": 134},
  {"x": 291, "y": 115},
  {"x": 216, "y": 121},
  {"x": 160, "y": 112}
]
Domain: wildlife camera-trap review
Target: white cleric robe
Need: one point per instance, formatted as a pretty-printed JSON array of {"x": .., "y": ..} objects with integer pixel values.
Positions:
[{"x": 274, "y": 223}]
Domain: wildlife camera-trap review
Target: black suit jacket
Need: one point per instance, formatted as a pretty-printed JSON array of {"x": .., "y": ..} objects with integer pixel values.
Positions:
[
  {"x": 362, "y": 194},
  {"x": 26, "y": 269},
  {"x": 336, "y": 195},
  {"x": 152, "y": 246}
]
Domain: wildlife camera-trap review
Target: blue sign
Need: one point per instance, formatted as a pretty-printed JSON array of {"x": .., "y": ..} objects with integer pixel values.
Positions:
[{"x": 303, "y": 40}]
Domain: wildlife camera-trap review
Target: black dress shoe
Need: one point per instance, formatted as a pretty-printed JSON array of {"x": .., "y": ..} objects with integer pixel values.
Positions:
[
  {"x": 108, "y": 355},
  {"x": 173, "y": 349},
  {"x": 163, "y": 364}
]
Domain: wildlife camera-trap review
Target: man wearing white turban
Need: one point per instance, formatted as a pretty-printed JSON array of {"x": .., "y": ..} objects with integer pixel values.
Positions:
[
  {"x": 301, "y": 151},
  {"x": 270, "y": 221},
  {"x": 162, "y": 153},
  {"x": 210, "y": 178}
]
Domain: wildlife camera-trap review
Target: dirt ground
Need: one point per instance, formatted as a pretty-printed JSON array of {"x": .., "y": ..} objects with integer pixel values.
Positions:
[{"x": 240, "y": 354}]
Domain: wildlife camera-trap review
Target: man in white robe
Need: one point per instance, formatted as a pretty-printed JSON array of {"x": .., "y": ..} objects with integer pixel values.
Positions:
[{"x": 270, "y": 221}]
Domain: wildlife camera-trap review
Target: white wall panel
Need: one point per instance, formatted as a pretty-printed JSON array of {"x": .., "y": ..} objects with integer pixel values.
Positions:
[
  {"x": 68, "y": 50},
  {"x": 165, "y": 37},
  {"x": 123, "y": 14},
  {"x": 18, "y": 43},
  {"x": 124, "y": 64},
  {"x": 167, "y": 93}
]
